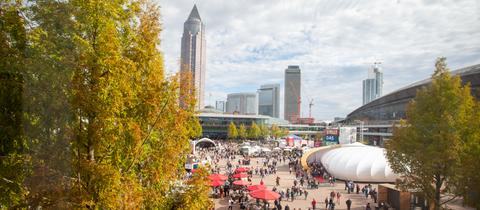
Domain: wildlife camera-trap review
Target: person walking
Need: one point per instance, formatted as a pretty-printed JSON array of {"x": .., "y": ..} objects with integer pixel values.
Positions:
[
  {"x": 287, "y": 207},
  {"x": 306, "y": 194},
  {"x": 326, "y": 203},
  {"x": 368, "y": 207},
  {"x": 230, "y": 204},
  {"x": 349, "y": 204},
  {"x": 338, "y": 197},
  {"x": 314, "y": 203}
]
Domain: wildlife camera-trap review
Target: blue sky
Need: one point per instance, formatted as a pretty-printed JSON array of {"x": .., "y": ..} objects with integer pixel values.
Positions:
[{"x": 335, "y": 42}]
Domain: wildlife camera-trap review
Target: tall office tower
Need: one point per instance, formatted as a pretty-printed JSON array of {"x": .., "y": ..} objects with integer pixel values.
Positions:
[
  {"x": 193, "y": 54},
  {"x": 373, "y": 85},
  {"x": 242, "y": 103},
  {"x": 292, "y": 94},
  {"x": 269, "y": 100},
  {"x": 220, "y": 106}
]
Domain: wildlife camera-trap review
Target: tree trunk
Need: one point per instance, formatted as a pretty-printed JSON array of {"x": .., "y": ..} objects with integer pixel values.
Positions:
[{"x": 438, "y": 185}]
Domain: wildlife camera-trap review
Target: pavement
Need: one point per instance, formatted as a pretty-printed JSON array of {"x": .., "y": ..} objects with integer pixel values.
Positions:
[{"x": 286, "y": 181}]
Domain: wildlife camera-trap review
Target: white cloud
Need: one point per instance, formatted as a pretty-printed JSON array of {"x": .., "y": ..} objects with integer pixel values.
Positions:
[{"x": 251, "y": 42}]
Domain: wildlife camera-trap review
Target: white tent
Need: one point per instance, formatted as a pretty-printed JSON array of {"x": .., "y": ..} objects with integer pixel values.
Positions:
[
  {"x": 355, "y": 162},
  {"x": 266, "y": 149}
]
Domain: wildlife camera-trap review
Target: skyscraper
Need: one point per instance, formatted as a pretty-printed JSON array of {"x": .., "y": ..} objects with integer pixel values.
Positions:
[
  {"x": 242, "y": 103},
  {"x": 373, "y": 85},
  {"x": 193, "y": 54},
  {"x": 220, "y": 106},
  {"x": 292, "y": 93},
  {"x": 269, "y": 100}
]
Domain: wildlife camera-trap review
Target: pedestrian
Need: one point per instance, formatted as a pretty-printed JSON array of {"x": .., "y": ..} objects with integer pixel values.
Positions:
[
  {"x": 338, "y": 197},
  {"x": 230, "y": 204},
  {"x": 368, "y": 207},
  {"x": 287, "y": 207},
  {"x": 326, "y": 202},
  {"x": 306, "y": 194},
  {"x": 349, "y": 204},
  {"x": 278, "y": 181},
  {"x": 314, "y": 203}
]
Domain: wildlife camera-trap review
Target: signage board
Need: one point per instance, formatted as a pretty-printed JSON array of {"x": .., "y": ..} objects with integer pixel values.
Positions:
[{"x": 331, "y": 131}]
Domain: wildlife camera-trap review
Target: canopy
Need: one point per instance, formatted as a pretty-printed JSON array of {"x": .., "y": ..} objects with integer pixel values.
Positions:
[
  {"x": 205, "y": 142},
  {"x": 265, "y": 194},
  {"x": 216, "y": 183},
  {"x": 266, "y": 150},
  {"x": 240, "y": 175},
  {"x": 239, "y": 170},
  {"x": 218, "y": 177},
  {"x": 241, "y": 183},
  {"x": 256, "y": 187}
]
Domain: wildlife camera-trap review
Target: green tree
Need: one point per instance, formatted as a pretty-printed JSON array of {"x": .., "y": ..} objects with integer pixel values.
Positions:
[
  {"x": 469, "y": 177},
  {"x": 196, "y": 194},
  {"x": 275, "y": 131},
  {"x": 242, "y": 132},
  {"x": 103, "y": 125},
  {"x": 254, "y": 131},
  {"x": 264, "y": 131},
  {"x": 232, "y": 131},
  {"x": 14, "y": 158},
  {"x": 425, "y": 147}
]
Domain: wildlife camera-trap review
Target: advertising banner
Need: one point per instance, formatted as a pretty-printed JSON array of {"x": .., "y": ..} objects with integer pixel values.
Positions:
[
  {"x": 331, "y": 131},
  {"x": 290, "y": 142},
  {"x": 348, "y": 135}
]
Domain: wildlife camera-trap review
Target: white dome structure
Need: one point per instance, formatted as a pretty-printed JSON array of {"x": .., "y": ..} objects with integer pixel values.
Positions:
[{"x": 357, "y": 162}]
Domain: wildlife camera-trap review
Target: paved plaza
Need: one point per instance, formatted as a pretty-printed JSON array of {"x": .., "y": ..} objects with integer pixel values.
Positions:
[{"x": 286, "y": 181}]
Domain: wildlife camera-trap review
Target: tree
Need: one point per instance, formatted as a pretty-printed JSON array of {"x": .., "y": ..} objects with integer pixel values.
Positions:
[
  {"x": 101, "y": 123},
  {"x": 232, "y": 131},
  {"x": 425, "y": 147},
  {"x": 242, "y": 132},
  {"x": 469, "y": 177},
  {"x": 196, "y": 194},
  {"x": 275, "y": 131},
  {"x": 254, "y": 131},
  {"x": 14, "y": 158},
  {"x": 264, "y": 131}
]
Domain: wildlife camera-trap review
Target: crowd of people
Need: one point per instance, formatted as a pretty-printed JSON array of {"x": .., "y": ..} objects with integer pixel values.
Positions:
[{"x": 267, "y": 166}]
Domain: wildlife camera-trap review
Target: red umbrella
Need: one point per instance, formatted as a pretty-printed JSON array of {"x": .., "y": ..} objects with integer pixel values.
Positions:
[
  {"x": 265, "y": 194},
  {"x": 240, "y": 175},
  {"x": 194, "y": 170},
  {"x": 216, "y": 183},
  {"x": 217, "y": 177},
  {"x": 239, "y": 170},
  {"x": 256, "y": 187},
  {"x": 240, "y": 183}
]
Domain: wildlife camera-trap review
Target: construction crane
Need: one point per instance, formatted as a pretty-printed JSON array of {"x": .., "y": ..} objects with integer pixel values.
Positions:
[{"x": 310, "y": 108}]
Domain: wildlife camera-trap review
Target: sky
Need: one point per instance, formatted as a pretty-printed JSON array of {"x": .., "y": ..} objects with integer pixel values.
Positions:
[{"x": 335, "y": 43}]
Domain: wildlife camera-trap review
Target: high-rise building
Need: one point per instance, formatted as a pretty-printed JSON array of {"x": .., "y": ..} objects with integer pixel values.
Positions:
[
  {"x": 193, "y": 54},
  {"x": 220, "y": 106},
  {"x": 269, "y": 100},
  {"x": 242, "y": 103},
  {"x": 373, "y": 85},
  {"x": 292, "y": 93}
]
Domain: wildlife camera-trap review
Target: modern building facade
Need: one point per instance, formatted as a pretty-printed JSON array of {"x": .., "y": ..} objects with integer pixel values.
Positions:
[
  {"x": 242, "y": 103},
  {"x": 220, "y": 106},
  {"x": 373, "y": 86},
  {"x": 292, "y": 93},
  {"x": 215, "y": 125},
  {"x": 193, "y": 55},
  {"x": 376, "y": 119},
  {"x": 269, "y": 100}
]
